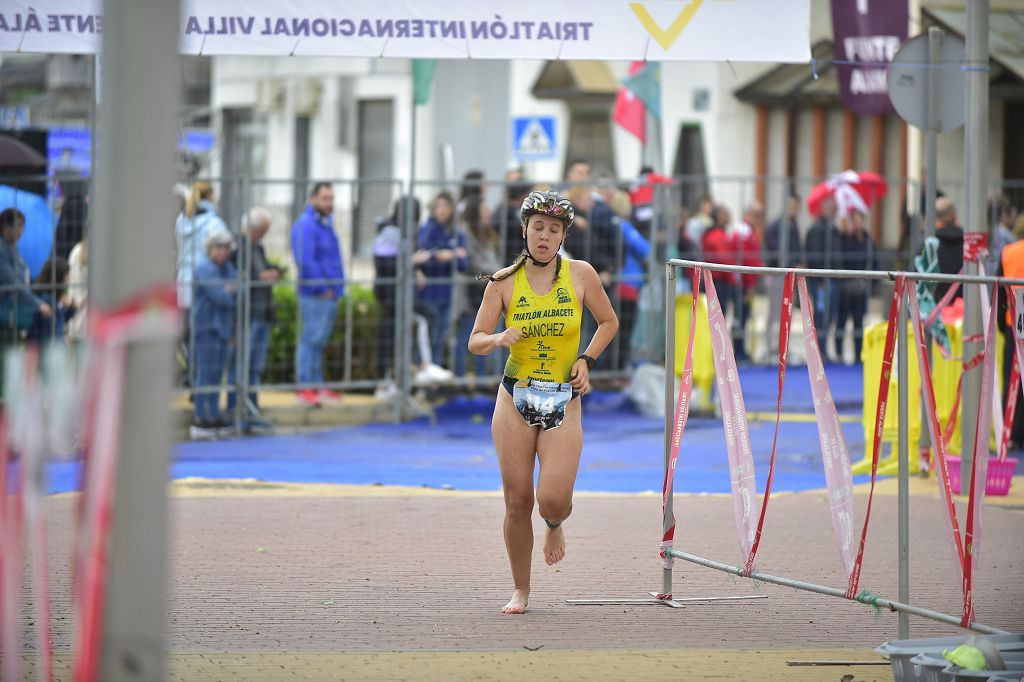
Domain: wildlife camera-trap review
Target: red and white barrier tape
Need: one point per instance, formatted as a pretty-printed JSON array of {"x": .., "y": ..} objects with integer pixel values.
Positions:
[
  {"x": 151, "y": 315},
  {"x": 979, "y": 471},
  {"x": 941, "y": 441},
  {"x": 1016, "y": 301},
  {"x": 1013, "y": 390},
  {"x": 10, "y": 559},
  {"x": 835, "y": 455},
  {"x": 682, "y": 414},
  {"x": 883, "y": 394},
  {"x": 734, "y": 421},
  {"x": 784, "y": 329}
]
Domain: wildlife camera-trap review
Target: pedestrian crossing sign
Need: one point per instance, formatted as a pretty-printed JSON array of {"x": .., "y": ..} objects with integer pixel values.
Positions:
[{"x": 533, "y": 138}]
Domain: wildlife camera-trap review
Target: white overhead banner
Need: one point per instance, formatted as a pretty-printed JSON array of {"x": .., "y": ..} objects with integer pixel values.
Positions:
[{"x": 659, "y": 30}]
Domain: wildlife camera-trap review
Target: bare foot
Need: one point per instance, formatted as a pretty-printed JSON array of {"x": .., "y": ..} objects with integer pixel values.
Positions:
[
  {"x": 517, "y": 604},
  {"x": 554, "y": 546}
]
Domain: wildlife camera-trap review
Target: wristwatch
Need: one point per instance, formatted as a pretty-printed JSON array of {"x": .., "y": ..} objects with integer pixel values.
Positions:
[{"x": 590, "y": 361}]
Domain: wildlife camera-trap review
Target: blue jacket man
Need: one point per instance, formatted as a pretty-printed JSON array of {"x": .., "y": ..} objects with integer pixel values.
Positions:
[{"x": 321, "y": 283}]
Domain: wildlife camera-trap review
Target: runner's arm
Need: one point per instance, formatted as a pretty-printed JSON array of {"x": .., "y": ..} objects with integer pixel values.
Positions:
[
  {"x": 596, "y": 300},
  {"x": 482, "y": 340}
]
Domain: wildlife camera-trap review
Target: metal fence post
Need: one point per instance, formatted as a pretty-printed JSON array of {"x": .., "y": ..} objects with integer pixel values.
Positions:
[
  {"x": 137, "y": 150},
  {"x": 670, "y": 384},
  {"x": 904, "y": 471}
]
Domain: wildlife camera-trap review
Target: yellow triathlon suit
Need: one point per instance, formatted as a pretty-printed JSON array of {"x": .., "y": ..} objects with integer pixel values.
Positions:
[{"x": 551, "y": 329}]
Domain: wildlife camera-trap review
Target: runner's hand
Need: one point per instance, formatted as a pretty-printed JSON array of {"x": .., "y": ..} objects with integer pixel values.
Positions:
[
  {"x": 509, "y": 337},
  {"x": 580, "y": 378}
]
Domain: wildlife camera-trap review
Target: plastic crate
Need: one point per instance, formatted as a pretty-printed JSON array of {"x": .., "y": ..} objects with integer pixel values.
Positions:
[
  {"x": 935, "y": 668},
  {"x": 901, "y": 651},
  {"x": 1000, "y": 475}
]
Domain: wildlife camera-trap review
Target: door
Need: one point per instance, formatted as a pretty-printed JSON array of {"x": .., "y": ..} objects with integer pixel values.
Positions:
[{"x": 376, "y": 154}]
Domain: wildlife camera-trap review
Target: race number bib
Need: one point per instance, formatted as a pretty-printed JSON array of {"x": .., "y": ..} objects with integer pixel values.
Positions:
[
  {"x": 542, "y": 403},
  {"x": 1018, "y": 299}
]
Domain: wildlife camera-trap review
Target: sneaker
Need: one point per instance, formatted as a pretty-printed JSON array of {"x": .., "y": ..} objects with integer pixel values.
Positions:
[
  {"x": 257, "y": 424},
  {"x": 308, "y": 396},
  {"x": 329, "y": 396},
  {"x": 433, "y": 374},
  {"x": 225, "y": 427},
  {"x": 202, "y": 431},
  {"x": 386, "y": 391}
]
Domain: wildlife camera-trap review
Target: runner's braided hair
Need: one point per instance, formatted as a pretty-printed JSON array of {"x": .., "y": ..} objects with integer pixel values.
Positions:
[{"x": 545, "y": 203}]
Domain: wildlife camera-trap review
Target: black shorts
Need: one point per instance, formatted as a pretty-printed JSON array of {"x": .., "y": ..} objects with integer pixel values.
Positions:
[{"x": 509, "y": 383}]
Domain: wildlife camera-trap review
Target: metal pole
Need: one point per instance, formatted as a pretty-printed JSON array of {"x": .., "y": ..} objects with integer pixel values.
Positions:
[
  {"x": 935, "y": 36},
  {"x": 975, "y": 179},
  {"x": 137, "y": 142},
  {"x": 405, "y": 271},
  {"x": 670, "y": 384},
  {"x": 904, "y": 472},
  {"x": 863, "y": 598}
]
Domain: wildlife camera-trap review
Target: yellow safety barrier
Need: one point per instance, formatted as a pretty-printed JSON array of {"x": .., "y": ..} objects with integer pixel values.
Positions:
[
  {"x": 945, "y": 375},
  {"x": 703, "y": 358},
  {"x": 871, "y": 356}
]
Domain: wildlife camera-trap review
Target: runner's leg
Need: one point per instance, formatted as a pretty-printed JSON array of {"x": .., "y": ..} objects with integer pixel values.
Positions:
[
  {"x": 559, "y": 453},
  {"x": 516, "y": 444}
]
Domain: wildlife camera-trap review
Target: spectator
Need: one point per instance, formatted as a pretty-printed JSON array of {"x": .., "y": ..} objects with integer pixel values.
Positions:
[
  {"x": 642, "y": 197},
  {"x": 823, "y": 241},
  {"x": 262, "y": 277},
  {"x": 857, "y": 253},
  {"x": 197, "y": 220},
  {"x": 951, "y": 245},
  {"x": 507, "y": 222},
  {"x": 194, "y": 223},
  {"x": 385, "y": 261},
  {"x": 321, "y": 280},
  {"x": 700, "y": 221},
  {"x": 717, "y": 247},
  {"x": 51, "y": 286},
  {"x": 777, "y": 257},
  {"x": 78, "y": 288},
  {"x": 746, "y": 242},
  {"x": 213, "y": 322},
  {"x": 605, "y": 246},
  {"x": 385, "y": 282},
  {"x": 1002, "y": 232},
  {"x": 576, "y": 186},
  {"x": 577, "y": 173},
  {"x": 472, "y": 218},
  {"x": 630, "y": 251},
  {"x": 440, "y": 254},
  {"x": 18, "y": 305}
]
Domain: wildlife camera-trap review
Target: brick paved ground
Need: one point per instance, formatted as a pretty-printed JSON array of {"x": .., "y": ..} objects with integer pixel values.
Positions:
[{"x": 321, "y": 583}]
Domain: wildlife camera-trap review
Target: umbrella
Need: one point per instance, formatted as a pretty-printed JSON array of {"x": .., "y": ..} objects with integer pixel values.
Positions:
[
  {"x": 36, "y": 243},
  {"x": 16, "y": 154},
  {"x": 850, "y": 189}
]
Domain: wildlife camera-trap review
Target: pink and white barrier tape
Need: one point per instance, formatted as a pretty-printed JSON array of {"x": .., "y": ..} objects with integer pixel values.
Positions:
[{"x": 835, "y": 456}]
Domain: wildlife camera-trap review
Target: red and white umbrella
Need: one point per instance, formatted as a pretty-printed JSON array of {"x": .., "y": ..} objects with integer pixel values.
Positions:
[{"x": 850, "y": 189}]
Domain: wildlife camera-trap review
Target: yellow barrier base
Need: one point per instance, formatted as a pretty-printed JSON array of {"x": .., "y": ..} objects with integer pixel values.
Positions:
[{"x": 889, "y": 465}]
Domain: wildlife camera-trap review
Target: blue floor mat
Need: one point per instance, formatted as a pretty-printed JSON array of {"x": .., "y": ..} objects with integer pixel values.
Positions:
[{"x": 622, "y": 450}]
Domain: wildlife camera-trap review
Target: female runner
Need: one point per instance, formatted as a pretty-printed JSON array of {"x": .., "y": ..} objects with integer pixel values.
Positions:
[{"x": 536, "y": 414}]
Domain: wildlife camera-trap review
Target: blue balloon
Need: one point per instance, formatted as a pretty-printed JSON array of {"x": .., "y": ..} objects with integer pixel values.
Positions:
[{"x": 36, "y": 244}]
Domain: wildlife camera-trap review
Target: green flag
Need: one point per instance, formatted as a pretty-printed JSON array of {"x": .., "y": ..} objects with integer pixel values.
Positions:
[
  {"x": 646, "y": 85},
  {"x": 422, "y": 77}
]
